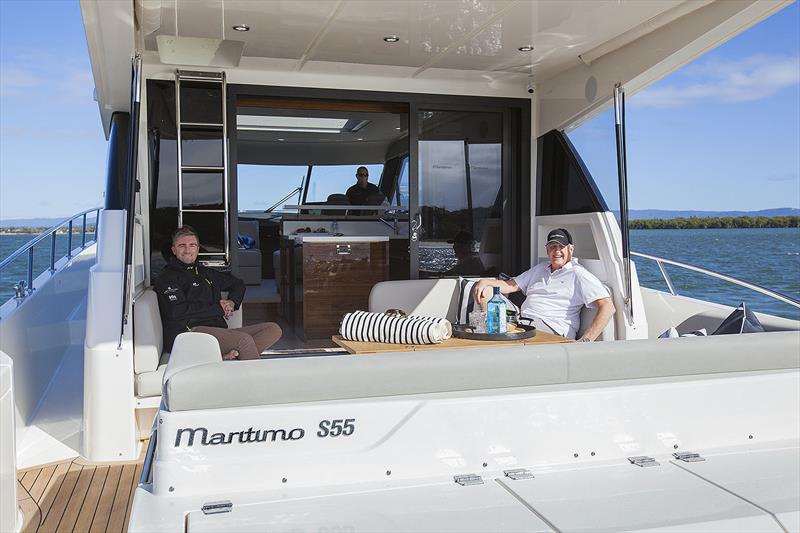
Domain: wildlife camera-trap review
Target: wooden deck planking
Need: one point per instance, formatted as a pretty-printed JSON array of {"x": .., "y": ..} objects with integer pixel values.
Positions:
[
  {"x": 46, "y": 474},
  {"x": 31, "y": 514},
  {"x": 73, "y": 509},
  {"x": 29, "y": 479},
  {"x": 56, "y": 511},
  {"x": 136, "y": 475},
  {"x": 103, "y": 512},
  {"x": 84, "y": 521},
  {"x": 52, "y": 488},
  {"x": 116, "y": 522},
  {"x": 77, "y": 495}
]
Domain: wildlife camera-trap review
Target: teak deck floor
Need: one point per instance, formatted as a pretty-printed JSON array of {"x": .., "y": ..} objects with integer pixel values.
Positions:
[{"x": 78, "y": 496}]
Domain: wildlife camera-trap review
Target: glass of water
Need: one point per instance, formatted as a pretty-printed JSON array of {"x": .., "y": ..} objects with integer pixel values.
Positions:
[{"x": 477, "y": 319}]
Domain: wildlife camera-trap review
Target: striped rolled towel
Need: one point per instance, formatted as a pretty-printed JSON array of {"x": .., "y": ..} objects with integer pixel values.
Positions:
[{"x": 380, "y": 327}]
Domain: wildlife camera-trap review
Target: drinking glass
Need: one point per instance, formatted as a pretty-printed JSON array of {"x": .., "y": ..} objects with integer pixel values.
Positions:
[{"x": 477, "y": 319}]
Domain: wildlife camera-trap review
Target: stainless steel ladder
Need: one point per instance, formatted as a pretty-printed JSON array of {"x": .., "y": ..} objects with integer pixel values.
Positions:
[{"x": 203, "y": 217}]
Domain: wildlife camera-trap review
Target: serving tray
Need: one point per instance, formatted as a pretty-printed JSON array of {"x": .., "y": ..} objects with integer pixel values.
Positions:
[{"x": 464, "y": 331}]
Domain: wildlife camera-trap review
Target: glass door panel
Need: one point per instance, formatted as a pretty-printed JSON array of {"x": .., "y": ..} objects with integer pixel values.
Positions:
[{"x": 459, "y": 193}]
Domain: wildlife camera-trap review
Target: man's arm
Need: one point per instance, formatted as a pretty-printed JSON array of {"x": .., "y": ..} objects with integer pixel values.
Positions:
[
  {"x": 605, "y": 310},
  {"x": 232, "y": 284},
  {"x": 482, "y": 297}
]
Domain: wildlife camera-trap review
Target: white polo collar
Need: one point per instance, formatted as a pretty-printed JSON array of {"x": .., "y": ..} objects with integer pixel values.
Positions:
[{"x": 568, "y": 266}]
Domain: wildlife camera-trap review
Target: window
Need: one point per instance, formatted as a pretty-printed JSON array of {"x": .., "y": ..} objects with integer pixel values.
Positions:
[
  {"x": 336, "y": 179},
  {"x": 261, "y": 186}
]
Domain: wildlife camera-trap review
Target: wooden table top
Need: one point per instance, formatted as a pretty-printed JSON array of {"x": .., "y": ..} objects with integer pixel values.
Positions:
[{"x": 356, "y": 347}]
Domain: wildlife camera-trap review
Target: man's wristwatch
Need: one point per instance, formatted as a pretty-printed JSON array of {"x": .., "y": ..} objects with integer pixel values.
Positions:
[{"x": 586, "y": 339}]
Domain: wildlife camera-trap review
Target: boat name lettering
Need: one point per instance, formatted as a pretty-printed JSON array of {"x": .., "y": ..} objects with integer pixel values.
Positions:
[
  {"x": 334, "y": 428},
  {"x": 239, "y": 437}
]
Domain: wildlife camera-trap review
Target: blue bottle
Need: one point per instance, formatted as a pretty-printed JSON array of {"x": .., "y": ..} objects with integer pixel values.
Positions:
[{"x": 496, "y": 313}]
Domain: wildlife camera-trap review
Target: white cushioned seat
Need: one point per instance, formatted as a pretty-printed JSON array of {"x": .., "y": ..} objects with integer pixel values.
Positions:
[
  {"x": 148, "y": 339},
  {"x": 439, "y": 298},
  {"x": 149, "y": 383},
  {"x": 149, "y": 358}
]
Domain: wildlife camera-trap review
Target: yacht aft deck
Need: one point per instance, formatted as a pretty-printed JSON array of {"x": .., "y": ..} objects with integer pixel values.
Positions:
[{"x": 77, "y": 495}]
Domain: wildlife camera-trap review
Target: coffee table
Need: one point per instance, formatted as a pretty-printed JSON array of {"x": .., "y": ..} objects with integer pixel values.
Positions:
[{"x": 356, "y": 347}]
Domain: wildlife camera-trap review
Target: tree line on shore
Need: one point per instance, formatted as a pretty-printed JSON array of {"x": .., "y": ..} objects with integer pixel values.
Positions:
[
  {"x": 717, "y": 222},
  {"x": 656, "y": 223},
  {"x": 22, "y": 230}
]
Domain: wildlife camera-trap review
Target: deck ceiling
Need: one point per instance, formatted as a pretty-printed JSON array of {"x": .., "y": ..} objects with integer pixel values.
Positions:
[{"x": 471, "y": 35}]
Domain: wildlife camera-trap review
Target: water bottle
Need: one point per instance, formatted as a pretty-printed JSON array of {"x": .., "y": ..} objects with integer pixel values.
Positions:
[{"x": 496, "y": 313}]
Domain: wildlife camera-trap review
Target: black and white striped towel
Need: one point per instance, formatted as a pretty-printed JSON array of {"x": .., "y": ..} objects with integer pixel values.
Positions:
[{"x": 380, "y": 327}]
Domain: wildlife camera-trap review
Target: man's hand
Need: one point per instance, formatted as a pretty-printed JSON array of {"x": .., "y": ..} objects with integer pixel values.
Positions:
[
  {"x": 227, "y": 307},
  {"x": 482, "y": 292}
]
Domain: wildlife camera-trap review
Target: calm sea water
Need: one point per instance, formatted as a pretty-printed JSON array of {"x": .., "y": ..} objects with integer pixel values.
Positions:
[
  {"x": 766, "y": 257},
  {"x": 18, "y": 269}
]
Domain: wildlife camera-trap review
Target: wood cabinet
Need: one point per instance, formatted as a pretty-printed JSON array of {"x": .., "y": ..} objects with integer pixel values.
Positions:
[{"x": 338, "y": 276}]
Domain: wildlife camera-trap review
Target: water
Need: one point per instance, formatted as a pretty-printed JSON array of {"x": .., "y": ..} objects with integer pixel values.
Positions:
[
  {"x": 18, "y": 269},
  {"x": 769, "y": 257}
]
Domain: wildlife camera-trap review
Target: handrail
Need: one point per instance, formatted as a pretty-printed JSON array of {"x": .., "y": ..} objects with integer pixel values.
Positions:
[
  {"x": 660, "y": 261},
  {"x": 23, "y": 290}
]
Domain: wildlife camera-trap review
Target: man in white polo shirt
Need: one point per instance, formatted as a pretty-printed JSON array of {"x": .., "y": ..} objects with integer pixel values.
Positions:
[{"x": 555, "y": 291}]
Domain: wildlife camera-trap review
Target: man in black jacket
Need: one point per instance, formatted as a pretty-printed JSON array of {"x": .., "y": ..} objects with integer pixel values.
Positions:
[{"x": 189, "y": 298}]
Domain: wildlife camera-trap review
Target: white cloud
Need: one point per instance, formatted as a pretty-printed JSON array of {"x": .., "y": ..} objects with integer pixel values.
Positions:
[{"x": 752, "y": 78}]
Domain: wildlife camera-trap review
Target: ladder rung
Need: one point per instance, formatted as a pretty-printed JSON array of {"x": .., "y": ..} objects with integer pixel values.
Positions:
[
  {"x": 202, "y": 210},
  {"x": 193, "y": 75},
  {"x": 192, "y": 168},
  {"x": 200, "y": 125}
]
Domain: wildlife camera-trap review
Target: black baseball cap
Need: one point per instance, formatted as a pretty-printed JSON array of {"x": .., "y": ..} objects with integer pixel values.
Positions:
[{"x": 559, "y": 235}]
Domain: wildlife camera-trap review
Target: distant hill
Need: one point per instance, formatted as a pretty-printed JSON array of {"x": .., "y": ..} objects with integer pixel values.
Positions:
[
  {"x": 648, "y": 214},
  {"x": 29, "y": 222}
]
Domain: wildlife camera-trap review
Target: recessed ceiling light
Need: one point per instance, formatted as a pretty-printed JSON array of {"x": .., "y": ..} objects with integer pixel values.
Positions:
[
  {"x": 398, "y": 128},
  {"x": 391, "y": 38},
  {"x": 241, "y": 27},
  {"x": 527, "y": 48},
  {"x": 360, "y": 139},
  {"x": 281, "y": 140}
]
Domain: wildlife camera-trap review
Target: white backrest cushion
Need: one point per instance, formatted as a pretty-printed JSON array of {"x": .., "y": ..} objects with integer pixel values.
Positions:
[
  {"x": 192, "y": 349},
  {"x": 148, "y": 340},
  {"x": 587, "y": 316},
  {"x": 426, "y": 297}
]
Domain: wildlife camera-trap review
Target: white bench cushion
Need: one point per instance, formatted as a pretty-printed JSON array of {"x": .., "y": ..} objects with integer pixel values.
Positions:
[{"x": 148, "y": 339}]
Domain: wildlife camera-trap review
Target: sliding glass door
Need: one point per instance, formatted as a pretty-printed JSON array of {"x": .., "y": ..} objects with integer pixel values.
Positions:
[{"x": 457, "y": 215}]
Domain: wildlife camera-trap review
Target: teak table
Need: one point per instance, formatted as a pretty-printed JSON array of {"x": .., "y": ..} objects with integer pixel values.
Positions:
[{"x": 453, "y": 343}]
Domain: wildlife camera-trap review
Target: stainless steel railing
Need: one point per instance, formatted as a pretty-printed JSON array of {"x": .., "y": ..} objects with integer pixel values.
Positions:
[
  {"x": 660, "y": 261},
  {"x": 25, "y": 287}
]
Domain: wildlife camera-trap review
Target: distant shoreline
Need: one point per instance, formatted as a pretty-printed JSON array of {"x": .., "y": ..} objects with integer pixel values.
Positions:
[{"x": 743, "y": 222}]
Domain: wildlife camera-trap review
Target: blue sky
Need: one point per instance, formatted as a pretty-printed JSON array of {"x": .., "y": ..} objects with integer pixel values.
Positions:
[{"x": 722, "y": 133}]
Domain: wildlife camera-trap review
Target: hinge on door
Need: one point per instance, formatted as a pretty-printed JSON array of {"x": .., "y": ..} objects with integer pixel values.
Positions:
[
  {"x": 518, "y": 473},
  {"x": 688, "y": 457},
  {"x": 224, "y": 506},
  {"x": 468, "y": 479},
  {"x": 643, "y": 461}
]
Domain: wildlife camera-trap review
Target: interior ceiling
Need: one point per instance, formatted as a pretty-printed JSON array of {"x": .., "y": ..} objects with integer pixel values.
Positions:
[{"x": 476, "y": 35}]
